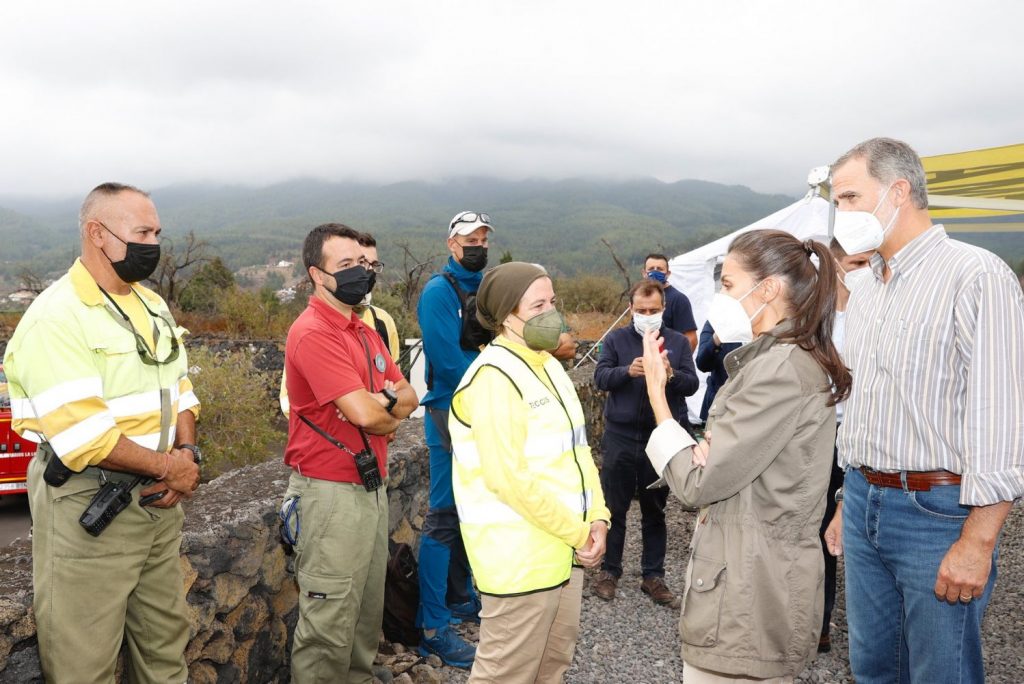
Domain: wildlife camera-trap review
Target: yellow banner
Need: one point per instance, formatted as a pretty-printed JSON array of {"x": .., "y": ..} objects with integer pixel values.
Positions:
[{"x": 993, "y": 173}]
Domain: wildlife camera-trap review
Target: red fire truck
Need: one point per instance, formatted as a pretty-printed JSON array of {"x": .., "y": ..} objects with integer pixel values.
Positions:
[{"x": 15, "y": 452}]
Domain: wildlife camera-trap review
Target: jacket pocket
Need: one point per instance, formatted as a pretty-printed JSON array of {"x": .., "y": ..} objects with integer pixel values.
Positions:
[{"x": 702, "y": 607}]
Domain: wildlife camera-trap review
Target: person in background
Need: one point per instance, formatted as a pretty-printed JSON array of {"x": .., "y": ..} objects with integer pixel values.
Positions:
[
  {"x": 451, "y": 341},
  {"x": 711, "y": 353},
  {"x": 628, "y": 425},
  {"x": 98, "y": 375},
  {"x": 932, "y": 442},
  {"x": 528, "y": 492},
  {"x": 678, "y": 312},
  {"x": 752, "y": 605},
  {"x": 374, "y": 316},
  {"x": 852, "y": 268},
  {"x": 346, "y": 395}
]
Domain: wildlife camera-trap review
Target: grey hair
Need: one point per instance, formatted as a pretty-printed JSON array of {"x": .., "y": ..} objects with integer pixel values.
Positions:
[
  {"x": 890, "y": 160},
  {"x": 101, "y": 191}
]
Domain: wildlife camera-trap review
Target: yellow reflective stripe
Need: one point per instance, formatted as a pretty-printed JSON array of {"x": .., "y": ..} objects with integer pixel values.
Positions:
[
  {"x": 65, "y": 393},
  {"x": 33, "y": 436},
  {"x": 21, "y": 409},
  {"x": 82, "y": 433},
  {"x": 545, "y": 445},
  {"x": 466, "y": 454},
  {"x": 135, "y": 404},
  {"x": 150, "y": 441},
  {"x": 493, "y": 511},
  {"x": 187, "y": 400}
]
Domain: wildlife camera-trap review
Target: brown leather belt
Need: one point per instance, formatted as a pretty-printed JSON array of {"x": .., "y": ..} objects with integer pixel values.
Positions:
[{"x": 916, "y": 481}]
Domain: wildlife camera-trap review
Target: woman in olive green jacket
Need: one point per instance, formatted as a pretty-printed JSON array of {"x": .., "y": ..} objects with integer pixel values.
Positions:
[{"x": 753, "y": 600}]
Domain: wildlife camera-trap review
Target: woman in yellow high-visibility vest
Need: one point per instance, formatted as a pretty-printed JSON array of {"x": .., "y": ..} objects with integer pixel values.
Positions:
[{"x": 528, "y": 495}]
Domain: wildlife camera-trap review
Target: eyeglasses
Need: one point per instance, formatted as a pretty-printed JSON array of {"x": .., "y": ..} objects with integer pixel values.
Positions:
[
  {"x": 376, "y": 266},
  {"x": 471, "y": 217},
  {"x": 148, "y": 357}
]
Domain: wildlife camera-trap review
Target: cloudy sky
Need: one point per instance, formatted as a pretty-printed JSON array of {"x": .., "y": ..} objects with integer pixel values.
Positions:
[{"x": 751, "y": 92}]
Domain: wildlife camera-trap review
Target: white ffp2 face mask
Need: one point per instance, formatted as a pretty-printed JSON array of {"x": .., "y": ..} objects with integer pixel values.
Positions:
[
  {"x": 861, "y": 231},
  {"x": 729, "y": 319},
  {"x": 642, "y": 323},
  {"x": 855, "y": 279}
]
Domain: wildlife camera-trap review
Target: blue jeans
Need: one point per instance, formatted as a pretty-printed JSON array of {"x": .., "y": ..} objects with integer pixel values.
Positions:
[{"x": 894, "y": 542}]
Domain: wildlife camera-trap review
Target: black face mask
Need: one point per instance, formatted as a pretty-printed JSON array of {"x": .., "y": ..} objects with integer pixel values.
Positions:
[
  {"x": 352, "y": 284},
  {"x": 140, "y": 260},
  {"x": 474, "y": 258}
]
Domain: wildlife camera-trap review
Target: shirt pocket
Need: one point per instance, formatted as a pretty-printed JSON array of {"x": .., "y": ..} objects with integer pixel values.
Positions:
[
  {"x": 910, "y": 348},
  {"x": 116, "y": 355}
]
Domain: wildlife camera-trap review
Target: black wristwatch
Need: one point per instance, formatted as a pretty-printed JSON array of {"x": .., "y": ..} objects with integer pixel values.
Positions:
[
  {"x": 392, "y": 397},
  {"x": 839, "y": 496},
  {"x": 197, "y": 455}
]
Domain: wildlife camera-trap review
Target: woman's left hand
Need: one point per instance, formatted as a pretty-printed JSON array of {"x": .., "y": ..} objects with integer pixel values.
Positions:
[
  {"x": 655, "y": 362},
  {"x": 593, "y": 551}
]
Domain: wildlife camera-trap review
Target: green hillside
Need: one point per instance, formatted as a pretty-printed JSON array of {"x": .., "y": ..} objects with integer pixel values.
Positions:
[{"x": 557, "y": 223}]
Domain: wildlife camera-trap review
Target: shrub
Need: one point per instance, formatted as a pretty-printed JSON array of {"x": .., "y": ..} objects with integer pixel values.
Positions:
[
  {"x": 589, "y": 293},
  {"x": 239, "y": 415}
]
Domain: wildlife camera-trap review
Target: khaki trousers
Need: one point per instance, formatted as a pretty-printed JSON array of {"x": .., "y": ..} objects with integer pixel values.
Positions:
[
  {"x": 93, "y": 592},
  {"x": 696, "y": 675},
  {"x": 531, "y": 638},
  {"x": 340, "y": 563}
]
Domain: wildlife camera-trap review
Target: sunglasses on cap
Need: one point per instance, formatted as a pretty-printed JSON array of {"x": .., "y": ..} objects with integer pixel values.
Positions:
[{"x": 471, "y": 217}]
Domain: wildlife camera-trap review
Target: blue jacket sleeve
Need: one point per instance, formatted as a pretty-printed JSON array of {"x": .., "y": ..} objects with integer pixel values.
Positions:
[
  {"x": 438, "y": 314},
  {"x": 683, "y": 314},
  {"x": 685, "y": 381},
  {"x": 707, "y": 358},
  {"x": 609, "y": 374}
]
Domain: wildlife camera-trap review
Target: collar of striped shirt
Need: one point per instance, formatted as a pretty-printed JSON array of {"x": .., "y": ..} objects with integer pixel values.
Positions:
[{"x": 911, "y": 255}]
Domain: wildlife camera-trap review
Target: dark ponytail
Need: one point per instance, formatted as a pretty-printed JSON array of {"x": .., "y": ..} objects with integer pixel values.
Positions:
[{"x": 810, "y": 291}]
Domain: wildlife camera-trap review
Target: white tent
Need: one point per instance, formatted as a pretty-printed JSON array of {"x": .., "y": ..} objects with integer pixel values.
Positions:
[{"x": 693, "y": 273}]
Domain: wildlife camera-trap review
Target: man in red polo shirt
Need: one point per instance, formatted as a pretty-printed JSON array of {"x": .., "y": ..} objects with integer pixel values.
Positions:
[{"x": 346, "y": 396}]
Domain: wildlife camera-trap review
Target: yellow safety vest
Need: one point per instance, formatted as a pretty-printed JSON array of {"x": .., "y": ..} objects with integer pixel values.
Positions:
[
  {"x": 508, "y": 554},
  {"x": 77, "y": 379}
]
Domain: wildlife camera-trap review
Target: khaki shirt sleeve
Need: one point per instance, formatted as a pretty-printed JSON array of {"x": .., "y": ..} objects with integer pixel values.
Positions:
[{"x": 757, "y": 422}]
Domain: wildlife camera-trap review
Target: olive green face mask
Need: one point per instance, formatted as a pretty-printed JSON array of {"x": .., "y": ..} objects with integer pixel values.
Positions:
[{"x": 541, "y": 332}]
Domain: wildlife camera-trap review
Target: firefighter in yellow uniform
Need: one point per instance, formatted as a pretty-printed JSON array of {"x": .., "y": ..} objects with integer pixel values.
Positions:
[
  {"x": 527, "y": 492},
  {"x": 98, "y": 375}
]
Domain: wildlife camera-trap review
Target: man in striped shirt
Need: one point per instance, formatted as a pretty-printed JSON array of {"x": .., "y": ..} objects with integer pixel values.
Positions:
[
  {"x": 933, "y": 441},
  {"x": 98, "y": 376}
]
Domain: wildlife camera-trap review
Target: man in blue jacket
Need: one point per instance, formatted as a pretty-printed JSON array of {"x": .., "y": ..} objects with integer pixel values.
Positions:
[
  {"x": 450, "y": 344},
  {"x": 711, "y": 355},
  {"x": 629, "y": 423}
]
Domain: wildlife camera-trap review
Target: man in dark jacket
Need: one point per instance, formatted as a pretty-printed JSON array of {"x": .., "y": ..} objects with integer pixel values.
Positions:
[
  {"x": 711, "y": 359},
  {"x": 629, "y": 422}
]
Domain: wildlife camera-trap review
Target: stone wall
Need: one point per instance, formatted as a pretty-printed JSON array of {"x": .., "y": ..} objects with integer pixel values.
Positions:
[{"x": 242, "y": 601}]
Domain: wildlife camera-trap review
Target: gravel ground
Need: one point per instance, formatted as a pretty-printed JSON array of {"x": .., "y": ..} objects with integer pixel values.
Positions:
[{"x": 633, "y": 640}]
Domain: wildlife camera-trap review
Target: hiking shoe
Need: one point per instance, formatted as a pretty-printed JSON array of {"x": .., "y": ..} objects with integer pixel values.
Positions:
[
  {"x": 656, "y": 588},
  {"x": 465, "y": 612},
  {"x": 452, "y": 649},
  {"x": 604, "y": 585}
]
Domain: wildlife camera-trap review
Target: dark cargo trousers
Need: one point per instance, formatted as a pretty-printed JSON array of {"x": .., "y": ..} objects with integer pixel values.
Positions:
[{"x": 625, "y": 473}]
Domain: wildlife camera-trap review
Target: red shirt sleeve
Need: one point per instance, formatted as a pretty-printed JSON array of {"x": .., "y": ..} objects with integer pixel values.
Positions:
[{"x": 330, "y": 375}]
